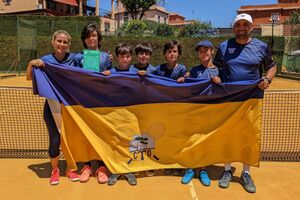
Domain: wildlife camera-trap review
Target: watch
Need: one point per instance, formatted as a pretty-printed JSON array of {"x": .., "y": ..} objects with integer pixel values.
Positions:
[{"x": 268, "y": 79}]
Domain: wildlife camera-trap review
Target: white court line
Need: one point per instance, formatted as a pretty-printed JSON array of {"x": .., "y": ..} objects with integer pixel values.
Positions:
[{"x": 193, "y": 191}]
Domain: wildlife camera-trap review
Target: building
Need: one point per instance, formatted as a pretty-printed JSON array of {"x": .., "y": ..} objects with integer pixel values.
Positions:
[
  {"x": 56, "y": 8},
  {"x": 270, "y": 18},
  {"x": 44, "y": 7},
  {"x": 155, "y": 13},
  {"x": 178, "y": 20}
]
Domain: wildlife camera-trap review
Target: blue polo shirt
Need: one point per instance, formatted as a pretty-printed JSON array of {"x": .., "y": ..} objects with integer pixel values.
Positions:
[
  {"x": 105, "y": 63},
  {"x": 149, "y": 68},
  {"x": 175, "y": 73},
  {"x": 204, "y": 72},
  {"x": 67, "y": 60},
  {"x": 130, "y": 69},
  {"x": 243, "y": 62}
]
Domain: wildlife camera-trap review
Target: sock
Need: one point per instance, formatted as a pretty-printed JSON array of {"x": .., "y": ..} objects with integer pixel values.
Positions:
[
  {"x": 227, "y": 166},
  {"x": 246, "y": 169}
]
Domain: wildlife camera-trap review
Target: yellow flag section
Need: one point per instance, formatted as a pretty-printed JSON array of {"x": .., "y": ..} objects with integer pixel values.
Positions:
[{"x": 162, "y": 135}]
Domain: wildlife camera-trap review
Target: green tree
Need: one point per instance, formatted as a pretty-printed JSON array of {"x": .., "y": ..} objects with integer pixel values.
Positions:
[
  {"x": 137, "y": 7},
  {"x": 164, "y": 30},
  {"x": 195, "y": 29}
]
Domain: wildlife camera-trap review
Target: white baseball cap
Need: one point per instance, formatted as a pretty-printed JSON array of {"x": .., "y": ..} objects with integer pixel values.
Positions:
[{"x": 243, "y": 16}]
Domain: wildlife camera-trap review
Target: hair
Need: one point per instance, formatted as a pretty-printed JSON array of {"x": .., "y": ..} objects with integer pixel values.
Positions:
[
  {"x": 143, "y": 47},
  {"x": 86, "y": 32},
  {"x": 172, "y": 44},
  {"x": 56, "y": 33},
  {"x": 122, "y": 49}
]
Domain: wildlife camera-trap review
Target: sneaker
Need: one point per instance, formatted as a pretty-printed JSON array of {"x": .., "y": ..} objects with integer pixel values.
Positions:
[
  {"x": 168, "y": 171},
  {"x": 54, "y": 179},
  {"x": 203, "y": 177},
  {"x": 101, "y": 175},
  {"x": 73, "y": 176},
  {"x": 150, "y": 173},
  {"x": 113, "y": 179},
  {"x": 178, "y": 172},
  {"x": 225, "y": 180},
  {"x": 86, "y": 172},
  {"x": 131, "y": 178},
  {"x": 188, "y": 176},
  {"x": 247, "y": 182}
]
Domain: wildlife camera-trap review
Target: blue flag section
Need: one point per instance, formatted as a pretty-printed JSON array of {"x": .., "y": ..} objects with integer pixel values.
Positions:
[{"x": 135, "y": 123}]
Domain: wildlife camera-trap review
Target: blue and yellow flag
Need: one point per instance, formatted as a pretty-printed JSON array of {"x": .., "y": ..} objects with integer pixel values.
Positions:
[{"x": 136, "y": 123}]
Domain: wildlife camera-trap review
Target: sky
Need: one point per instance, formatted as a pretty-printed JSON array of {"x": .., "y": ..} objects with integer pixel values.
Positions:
[{"x": 220, "y": 13}]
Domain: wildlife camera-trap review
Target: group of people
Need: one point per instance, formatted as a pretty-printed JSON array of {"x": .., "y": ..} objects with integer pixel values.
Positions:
[{"x": 237, "y": 59}]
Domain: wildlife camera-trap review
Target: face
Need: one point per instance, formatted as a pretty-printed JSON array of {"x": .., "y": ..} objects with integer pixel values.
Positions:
[
  {"x": 61, "y": 44},
  {"x": 124, "y": 61},
  {"x": 172, "y": 55},
  {"x": 92, "y": 41},
  {"x": 242, "y": 29},
  {"x": 143, "y": 58},
  {"x": 205, "y": 53}
]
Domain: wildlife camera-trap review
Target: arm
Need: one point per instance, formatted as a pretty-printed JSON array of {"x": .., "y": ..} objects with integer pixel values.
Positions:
[
  {"x": 268, "y": 78},
  {"x": 35, "y": 63}
]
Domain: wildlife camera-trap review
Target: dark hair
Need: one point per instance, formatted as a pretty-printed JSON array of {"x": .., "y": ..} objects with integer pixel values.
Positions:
[
  {"x": 123, "y": 48},
  {"x": 86, "y": 32},
  {"x": 143, "y": 47},
  {"x": 170, "y": 45}
]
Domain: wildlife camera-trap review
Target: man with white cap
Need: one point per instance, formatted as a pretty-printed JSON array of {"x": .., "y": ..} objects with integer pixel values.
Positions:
[{"x": 244, "y": 58}]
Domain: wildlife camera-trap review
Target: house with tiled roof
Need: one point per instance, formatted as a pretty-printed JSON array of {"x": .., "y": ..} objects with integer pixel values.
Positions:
[{"x": 270, "y": 18}]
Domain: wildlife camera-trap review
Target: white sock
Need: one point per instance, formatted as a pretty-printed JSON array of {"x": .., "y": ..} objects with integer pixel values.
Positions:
[
  {"x": 246, "y": 169},
  {"x": 227, "y": 166}
]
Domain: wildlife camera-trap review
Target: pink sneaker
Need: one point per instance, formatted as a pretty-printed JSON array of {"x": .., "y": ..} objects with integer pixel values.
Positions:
[
  {"x": 72, "y": 175},
  {"x": 86, "y": 172},
  {"x": 101, "y": 175},
  {"x": 54, "y": 179}
]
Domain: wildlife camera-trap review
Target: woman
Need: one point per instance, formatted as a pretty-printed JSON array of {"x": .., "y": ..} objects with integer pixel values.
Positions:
[{"x": 61, "y": 41}]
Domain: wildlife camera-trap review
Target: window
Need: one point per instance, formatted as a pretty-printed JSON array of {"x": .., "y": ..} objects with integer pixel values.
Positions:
[
  {"x": 158, "y": 19},
  {"x": 7, "y": 2},
  {"x": 106, "y": 27},
  {"x": 275, "y": 17},
  {"x": 165, "y": 20},
  {"x": 126, "y": 17}
]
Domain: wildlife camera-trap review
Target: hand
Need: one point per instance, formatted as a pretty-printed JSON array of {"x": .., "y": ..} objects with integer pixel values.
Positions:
[
  {"x": 142, "y": 72},
  {"x": 110, "y": 56},
  {"x": 180, "y": 80},
  {"x": 264, "y": 84},
  {"x": 106, "y": 73},
  {"x": 37, "y": 63},
  {"x": 216, "y": 79},
  {"x": 187, "y": 74}
]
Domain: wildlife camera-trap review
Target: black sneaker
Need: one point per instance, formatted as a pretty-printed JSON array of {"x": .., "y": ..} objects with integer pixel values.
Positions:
[
  {"x": 178, "y": 172},
  {"x": 225, "y": 179},
  {"x": 247, "y": 182},
  {"x": 131, "y": 178},
  {"x": 168, "y": 171},
  {"x": 113, "y": 179}
]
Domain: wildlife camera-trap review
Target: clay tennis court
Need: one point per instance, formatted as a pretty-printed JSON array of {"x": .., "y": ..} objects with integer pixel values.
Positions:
[{"x": 29, "y": 178}]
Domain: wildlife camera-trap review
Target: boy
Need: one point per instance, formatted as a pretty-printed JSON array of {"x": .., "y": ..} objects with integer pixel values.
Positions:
[{"x": 143, "y": 53}]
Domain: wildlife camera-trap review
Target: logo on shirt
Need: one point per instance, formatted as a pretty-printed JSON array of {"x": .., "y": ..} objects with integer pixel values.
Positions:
[{"x": 231, "y": 50}]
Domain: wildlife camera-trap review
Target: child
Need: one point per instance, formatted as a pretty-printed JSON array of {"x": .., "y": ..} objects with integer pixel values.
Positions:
[
  {"x": 173, "y": 70},
  {"x": 123, "y": 56},
  {"x": 91, "y": 39},
  {"x": 206, "y": 70},
  {"x": 143, "y": 53}
]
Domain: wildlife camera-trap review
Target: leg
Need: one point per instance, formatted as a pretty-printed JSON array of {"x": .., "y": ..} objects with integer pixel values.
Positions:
[
  {"x": 226, "y": 176},
  {"x": 246, "y": 180}
]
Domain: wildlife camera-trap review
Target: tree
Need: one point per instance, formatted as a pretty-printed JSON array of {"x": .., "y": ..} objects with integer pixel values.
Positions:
[
  {"x": 137, "y": 7},
  {"x": 194, "y": 30}
]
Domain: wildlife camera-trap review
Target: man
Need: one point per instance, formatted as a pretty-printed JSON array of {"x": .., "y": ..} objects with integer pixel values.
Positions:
[{"x": 244, "y": 58}]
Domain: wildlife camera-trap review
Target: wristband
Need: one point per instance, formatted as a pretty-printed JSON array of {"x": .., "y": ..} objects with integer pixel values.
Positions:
[{"x": 268, "y": 79}]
